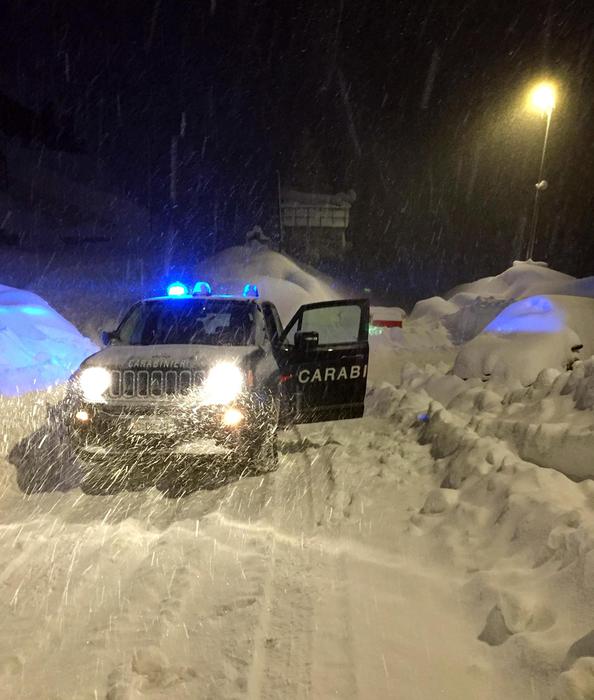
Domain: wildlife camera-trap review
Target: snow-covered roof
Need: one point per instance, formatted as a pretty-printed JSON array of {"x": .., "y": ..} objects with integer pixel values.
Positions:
[
  {"x": 204, "y": 297},
  {"x": 340, "y": 199}
]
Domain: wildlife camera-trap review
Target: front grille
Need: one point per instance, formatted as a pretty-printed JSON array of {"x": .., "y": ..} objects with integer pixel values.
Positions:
[{"x": 152, "y": 383}]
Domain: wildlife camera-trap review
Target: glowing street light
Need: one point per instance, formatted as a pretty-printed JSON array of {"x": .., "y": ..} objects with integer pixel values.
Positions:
[{"x": 542, "y": 99}]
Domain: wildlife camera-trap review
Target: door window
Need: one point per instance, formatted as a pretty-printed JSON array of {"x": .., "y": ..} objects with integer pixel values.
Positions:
[
  {"x": 335, "y": 324},
  {"x": 274, "y": 327}
]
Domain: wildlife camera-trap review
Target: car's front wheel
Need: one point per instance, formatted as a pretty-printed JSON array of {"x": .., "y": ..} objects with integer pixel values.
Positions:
[
  {"x": 264, "y": 454},
  {"x": 100, "y": 476}
]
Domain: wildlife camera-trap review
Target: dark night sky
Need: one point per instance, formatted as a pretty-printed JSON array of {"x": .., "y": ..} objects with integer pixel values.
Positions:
[{"x": 417, "y": 106}]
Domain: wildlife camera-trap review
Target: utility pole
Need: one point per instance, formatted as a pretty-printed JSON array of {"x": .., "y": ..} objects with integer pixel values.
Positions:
[
  {"x": 540, "y": 186},
  {"x": 542, "y": 99}
]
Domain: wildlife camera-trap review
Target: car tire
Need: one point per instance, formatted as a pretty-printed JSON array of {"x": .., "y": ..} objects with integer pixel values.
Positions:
[
  {"x": 43, "y": 461},
  {"x": 259, "y": 458},
  {"x": 266, "y": 458},
  {"x": 37, "y": 477},
  {"x": 262, "y": 454},
  {"x": 99, "y": 477}
]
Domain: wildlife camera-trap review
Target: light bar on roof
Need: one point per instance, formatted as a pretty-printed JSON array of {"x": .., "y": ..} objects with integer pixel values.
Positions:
[
  {"x": 250, "y": 290},
  {"x": 177, "y": 289},
  {"x": 202, "y": 289}
]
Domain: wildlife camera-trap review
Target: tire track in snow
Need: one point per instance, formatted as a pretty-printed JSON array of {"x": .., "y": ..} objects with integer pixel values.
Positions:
[
  {"x": 247, "y": 561},
  {"x": 266, "y": 668},
  {"x": 305, "y": 583},
  {"x": 294, "y": 627},
  {"x": 200, "y": 588},
  {"x": 148, "y": 618},
  {"x": 110, "y": 594},
  {"x": 333, "y": 662}
]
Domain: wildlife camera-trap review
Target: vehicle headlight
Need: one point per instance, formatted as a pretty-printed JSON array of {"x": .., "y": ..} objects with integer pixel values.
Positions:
[
  {"x": 222, "y": 384},
  {"x": 94, "y": 382}
]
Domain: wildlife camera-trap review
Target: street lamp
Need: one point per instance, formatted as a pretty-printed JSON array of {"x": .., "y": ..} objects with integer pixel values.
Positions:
[{"x": 542, "y": 99}]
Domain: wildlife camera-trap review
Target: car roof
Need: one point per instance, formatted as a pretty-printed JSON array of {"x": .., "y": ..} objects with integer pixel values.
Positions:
[{"x": 206, "y": 297}]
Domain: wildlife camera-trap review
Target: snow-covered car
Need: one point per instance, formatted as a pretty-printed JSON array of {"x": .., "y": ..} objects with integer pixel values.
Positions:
[
  {"x": 203, "y": 373},
  {"x": 525, "y": 338}
]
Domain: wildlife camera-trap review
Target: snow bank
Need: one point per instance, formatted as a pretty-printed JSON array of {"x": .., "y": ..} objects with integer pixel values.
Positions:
[
  {"x": 527, "y": 337},
  {"x": 508, "y": 327},
  {"x": 508, "y": 510},
  {"x": 279, "y": 278},
  {"x": 434, "y": 308},
  {"x": 469, "y": 308},
  {"x": 37, "y": 346},
  {"x": 549, "y": 423},
  {"x": 523, "y": 534},
  {"x": 423, "y": 342},
  {"x": 524, "y": 278}
]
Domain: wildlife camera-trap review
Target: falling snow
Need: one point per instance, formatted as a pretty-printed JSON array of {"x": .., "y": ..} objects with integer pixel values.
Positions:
[{"x": 439, "y": 546}]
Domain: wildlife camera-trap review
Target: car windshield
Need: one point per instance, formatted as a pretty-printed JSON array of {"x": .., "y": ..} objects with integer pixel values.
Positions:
[{"x": 188, "y": 321}]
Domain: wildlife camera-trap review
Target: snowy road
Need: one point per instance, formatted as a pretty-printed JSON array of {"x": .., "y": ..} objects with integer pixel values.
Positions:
[{"x": 307, "y": 583}]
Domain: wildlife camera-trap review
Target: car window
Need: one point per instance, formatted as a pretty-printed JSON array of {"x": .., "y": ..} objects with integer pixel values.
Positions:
[
  {"x": 129, "y": 325},
  {"x": 189, "y": 321},
  {"x": 274, "y": 326},
  {"x": 334, "y": 324}
]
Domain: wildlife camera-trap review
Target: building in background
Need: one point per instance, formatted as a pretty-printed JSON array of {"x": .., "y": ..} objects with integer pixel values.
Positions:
[{"x": 314, "y": 225}]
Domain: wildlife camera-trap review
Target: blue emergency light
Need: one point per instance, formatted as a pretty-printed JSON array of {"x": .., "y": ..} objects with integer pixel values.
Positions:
[
  {"x": 250, "y": 290},
  {"x": 202, "y": 289},
  {"x": 177, "y": 289}
]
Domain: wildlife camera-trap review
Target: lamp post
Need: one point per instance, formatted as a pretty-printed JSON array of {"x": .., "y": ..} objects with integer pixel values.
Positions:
[{"x": 542, "y": 99}]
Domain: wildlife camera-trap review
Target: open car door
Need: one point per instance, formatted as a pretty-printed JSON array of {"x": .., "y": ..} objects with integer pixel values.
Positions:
[{"x": 323, "y": 357}]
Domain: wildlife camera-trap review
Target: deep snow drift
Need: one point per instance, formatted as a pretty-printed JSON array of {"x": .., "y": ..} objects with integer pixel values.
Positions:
[
  {"x": 278, "y": 277},
  {"x": 506, "y": 328},
  {"x": 528, "y": 336},
  {"x": 521, "y": 536},
  {"x": 468, "y": 309},
  {"x": 37, "y": 346}
]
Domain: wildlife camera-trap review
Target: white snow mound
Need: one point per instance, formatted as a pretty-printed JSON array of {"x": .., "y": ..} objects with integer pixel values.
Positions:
[
  {"x": 38, "y": 347},
  {"x": 527, "y": 337},
  {"x": 278, "y": 277},
  {"x": 523, "y": 278},
  {"x": 467, "y": 309}
]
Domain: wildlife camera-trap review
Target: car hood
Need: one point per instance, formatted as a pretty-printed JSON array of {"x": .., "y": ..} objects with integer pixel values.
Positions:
[{"x": 168, "y": 357}]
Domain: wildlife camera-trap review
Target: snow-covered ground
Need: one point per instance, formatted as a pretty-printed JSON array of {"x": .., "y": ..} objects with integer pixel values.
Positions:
[
  {"x": 314, "y": 581},
  {"x": 403, "y": 555},
  {"x": 420, "y": 552}
]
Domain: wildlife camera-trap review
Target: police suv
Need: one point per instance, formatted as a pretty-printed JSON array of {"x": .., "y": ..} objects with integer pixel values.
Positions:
[{"x": 200, "y": 373}]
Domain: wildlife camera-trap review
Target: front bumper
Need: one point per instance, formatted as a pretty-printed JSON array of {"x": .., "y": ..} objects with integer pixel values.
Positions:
[{"x": 159, "y": 428}]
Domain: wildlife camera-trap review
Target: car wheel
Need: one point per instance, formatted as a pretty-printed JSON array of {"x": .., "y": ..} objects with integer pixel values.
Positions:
[
  {"x": 258, "y": 453},
  {"x": 100, "y": 477},
  {"x": 180, "y": 479},
  {"x": 266, "y": 460},
  {"x": 262, "y": 456}
]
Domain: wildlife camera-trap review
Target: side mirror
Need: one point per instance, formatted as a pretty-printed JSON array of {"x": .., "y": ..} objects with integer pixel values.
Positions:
[
  {"x": 306, "y": 341},
  {"x": 107, "y": 337}
]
